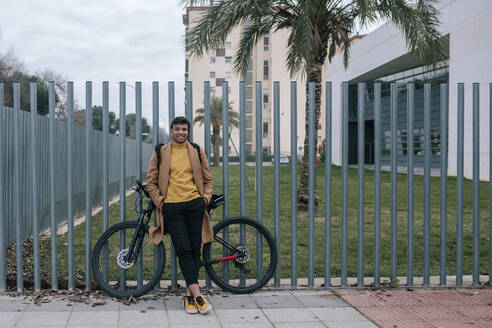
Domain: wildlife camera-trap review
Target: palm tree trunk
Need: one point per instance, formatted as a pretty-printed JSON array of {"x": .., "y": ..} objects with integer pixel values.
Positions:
[{"x": 303, "y": 191}]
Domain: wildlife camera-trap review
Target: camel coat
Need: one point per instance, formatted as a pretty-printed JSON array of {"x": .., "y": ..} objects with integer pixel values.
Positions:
[{"x": 158, "y": 181}]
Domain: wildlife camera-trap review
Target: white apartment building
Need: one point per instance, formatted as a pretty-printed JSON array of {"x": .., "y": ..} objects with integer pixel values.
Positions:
[{"x": 268, "y": 65}]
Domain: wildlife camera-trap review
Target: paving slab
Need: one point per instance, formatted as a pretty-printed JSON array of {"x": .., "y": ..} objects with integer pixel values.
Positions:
[
  {"x": 233, "y": 302},
  {"x": 241, "y": 316},
  {"x": 88, "y": 318},
  {"x": 48, "y": 318},
  {"x": 9, "y": 319},
  {"x": 286, "y": 300},
  {"x": 301, "y": 315}
]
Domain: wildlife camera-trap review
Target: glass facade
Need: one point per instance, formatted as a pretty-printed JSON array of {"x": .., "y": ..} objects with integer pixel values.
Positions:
[{"x": 419, "y": 75}]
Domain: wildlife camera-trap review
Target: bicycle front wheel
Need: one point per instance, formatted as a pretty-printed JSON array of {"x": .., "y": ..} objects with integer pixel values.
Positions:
[
  {"x": 118, "y": 277},
  {"x": 243, "y": 256}
]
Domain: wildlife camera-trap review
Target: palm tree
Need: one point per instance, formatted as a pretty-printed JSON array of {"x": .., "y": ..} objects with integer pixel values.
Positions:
[
  {"x": 318, "y": 30},
  {"x": 216, "y": 122}
]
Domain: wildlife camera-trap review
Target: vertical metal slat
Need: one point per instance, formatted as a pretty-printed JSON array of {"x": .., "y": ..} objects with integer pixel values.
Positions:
[
  {"x": 444, "y": 185},
  {"x": 242, "y": 169},
  {"x": 34, "y": 186},
  {"x": 394, "y": 179},
  {"x": 360, "y": 161},
  {"x": 106, "y": 175},
  {"x": 328, "y": 146},
  {"x": 311, "y": 177},
  {"x": 276, "y": 173},
  {"x": 476, "y": 184},
  {"x": 377, "y": 184},
  {"x": 3, "y": 280},
  {"x": 344, "y": 94},
  {"x": 225, "y": 167},
  {"x": 206, "y": 119},
  {"x": 88, "y": 196},
  {"x": 459, "y": 185},
  {"x": 427, "y": 154},
  {"x": 259, "y": 177},
  {"x": 410, "y": 202},
  {"x": 293, "y": 184},
  {"x": 122, "y": 160},
  {"x": 54, "y": 256},
  {"x": 70, "y": 99},
  {"x": 138, "y": 137}
]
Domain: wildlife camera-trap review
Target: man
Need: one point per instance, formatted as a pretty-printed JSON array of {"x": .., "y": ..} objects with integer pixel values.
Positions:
[{"x": 181, "y": 188}]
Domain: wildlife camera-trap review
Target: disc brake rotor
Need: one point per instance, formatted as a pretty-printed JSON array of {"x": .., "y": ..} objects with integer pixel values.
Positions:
[
  {"x": 243, "y": 254},
  {"x": 122, "y": 263}
]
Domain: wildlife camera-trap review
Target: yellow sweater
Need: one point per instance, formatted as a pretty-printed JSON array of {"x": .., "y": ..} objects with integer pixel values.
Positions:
[{"x": 182, "y": 187}]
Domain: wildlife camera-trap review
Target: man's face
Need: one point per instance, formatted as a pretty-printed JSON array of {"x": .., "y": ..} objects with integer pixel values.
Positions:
[{"x": 179, "y": 132}]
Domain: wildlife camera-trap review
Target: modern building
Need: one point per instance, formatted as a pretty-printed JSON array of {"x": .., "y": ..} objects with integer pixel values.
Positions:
[{"x": 383, "y": 56}]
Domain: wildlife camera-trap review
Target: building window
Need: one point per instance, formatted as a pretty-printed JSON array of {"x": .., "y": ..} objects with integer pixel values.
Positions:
[
  {"x": 212, "y": 75},
  {"x": 265, "y": 129},
  {"x": 265, "y": 70},
  {"x": 212, "y": 59},
  {"x": 265, "y": 98},
  {"x": 228, "y": 75},
  {"x": 219, "y": 81},
  {"x": 220, "y": 52},
  {"x": 212, "y": 89},
  {"x": 266, "y": 43},
  {"x": 229, "y": 88},
  {"x": 228, "y": 59},
  {"x": 228, "y": 44}
]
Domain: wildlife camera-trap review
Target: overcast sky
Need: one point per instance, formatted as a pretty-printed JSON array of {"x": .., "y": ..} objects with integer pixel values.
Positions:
[
  {"x": 98, "y": 40},
  {"x": 114, "y": 40}
]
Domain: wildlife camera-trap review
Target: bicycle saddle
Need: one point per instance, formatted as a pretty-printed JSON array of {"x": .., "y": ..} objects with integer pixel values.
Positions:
[{"x": 216, "y": 201}]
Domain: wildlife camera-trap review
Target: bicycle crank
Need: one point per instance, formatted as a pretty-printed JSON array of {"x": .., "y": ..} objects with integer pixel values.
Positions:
[{"x": 122, "y": 263}]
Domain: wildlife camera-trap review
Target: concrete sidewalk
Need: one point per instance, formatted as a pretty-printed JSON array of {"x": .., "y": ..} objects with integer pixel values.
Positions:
[{"x": 266, "y": 308}]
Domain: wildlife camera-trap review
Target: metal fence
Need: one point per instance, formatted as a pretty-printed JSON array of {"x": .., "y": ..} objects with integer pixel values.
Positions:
[{"x": 18, "y": 158}]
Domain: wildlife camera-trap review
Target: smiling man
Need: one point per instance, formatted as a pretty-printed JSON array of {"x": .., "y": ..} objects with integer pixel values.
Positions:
[{"x": 180, "y": 185}]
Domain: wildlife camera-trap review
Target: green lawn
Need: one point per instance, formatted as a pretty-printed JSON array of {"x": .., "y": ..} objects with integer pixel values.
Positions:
[{"x": 302, "y": 224}]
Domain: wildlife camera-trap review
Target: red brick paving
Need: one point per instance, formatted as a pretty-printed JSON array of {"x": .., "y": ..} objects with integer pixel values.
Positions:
[{"x": 424, "y": 308}]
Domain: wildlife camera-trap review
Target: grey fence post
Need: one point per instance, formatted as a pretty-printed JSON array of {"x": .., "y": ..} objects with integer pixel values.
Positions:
[
  {"x": 2, "y": 193},
  {"x": 70, "y": 100},
  {"x": 476, "y": 184},
  {"x": 34, "y": 188},
  {"x": 189, "y": 107},
  {"x": 206, "y": 119},
  {"x": 138, "y": 139},
  {"x": 344, "y": 181},
  {"x": 259, "y": 176},
  {"x": 394, "y": 180},
  {"x": 17, "y": 200},
  {"x": 54, "y": 256},
  {"x": 276, "y": 173},
  {"x": 293, "y": 184},
  {"x": 311, "y": 177},
  {"x": 88, "y": 197},
  {"x": 490, "y": 183},
  {"x": 242, "y": 167},
  {"x": 427, "y": 178},
  {"x": 377, "y": 184},
  {"x": 328, "y": 146},
  {"x": 171, "y": 110},
  {"x": 361, "y": 160},
  {"x": 459, "y": 185},
  {"x": 444, "y": 181},
  {"x": 410, "y": 201},
  {"x": 105, "y": 175},
  {"x": 122, "y": 159},
  {"x": 155, "y": 142},
  {"x": 225, "y": 167}
]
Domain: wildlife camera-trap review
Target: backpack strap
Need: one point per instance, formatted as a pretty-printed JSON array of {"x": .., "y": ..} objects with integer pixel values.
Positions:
[
  {"x": 158, "y": 153},
  {"x": 197, "y": 147}
]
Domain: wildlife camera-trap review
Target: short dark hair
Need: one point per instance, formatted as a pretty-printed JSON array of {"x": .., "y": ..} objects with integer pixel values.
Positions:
[{"x": 180, "y": 120}]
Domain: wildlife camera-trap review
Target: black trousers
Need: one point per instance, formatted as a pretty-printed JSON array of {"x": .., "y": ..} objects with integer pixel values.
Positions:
[{"x": 184, "y": 223}]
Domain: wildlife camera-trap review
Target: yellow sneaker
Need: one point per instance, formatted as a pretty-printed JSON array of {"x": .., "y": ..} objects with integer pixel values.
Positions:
[
  {"x": 202, "y": 304},
  {"x": 189, "y": 304}
]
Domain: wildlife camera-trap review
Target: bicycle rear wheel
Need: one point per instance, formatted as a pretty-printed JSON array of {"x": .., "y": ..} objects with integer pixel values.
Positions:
[
  {"x": 119, "y": 278},
  {"x": 254, "y": 252}
]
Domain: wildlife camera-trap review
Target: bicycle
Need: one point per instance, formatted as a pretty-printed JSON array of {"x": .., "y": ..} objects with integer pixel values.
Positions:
[{"x": 232, "y": 260}]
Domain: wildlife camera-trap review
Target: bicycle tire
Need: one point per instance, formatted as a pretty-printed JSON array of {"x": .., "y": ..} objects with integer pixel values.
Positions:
[
  {"x": 99, "y": 276},
  {"x": 213, "y": 269}
]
